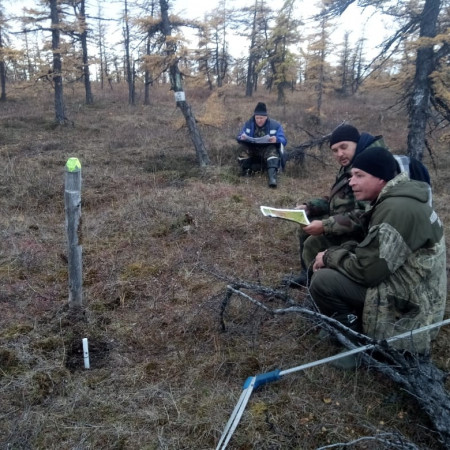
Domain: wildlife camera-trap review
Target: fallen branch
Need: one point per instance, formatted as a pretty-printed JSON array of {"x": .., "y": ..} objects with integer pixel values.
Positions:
[
  {"x": 298, "y": 153},
  {"x": 389, "y": 440},
  {"x": 418, "y": 376}
]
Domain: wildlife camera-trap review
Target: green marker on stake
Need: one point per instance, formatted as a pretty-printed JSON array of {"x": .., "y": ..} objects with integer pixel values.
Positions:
[{"x": 73, "y": 164}]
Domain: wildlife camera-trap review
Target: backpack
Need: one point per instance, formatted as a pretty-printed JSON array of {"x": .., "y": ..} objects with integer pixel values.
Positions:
[
  {"x": 413, "y": 167},
  {"x": 415, "y": 170}
]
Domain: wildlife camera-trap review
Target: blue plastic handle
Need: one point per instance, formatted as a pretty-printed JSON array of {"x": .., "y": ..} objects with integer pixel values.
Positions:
[{"x": 263, "y": 379}]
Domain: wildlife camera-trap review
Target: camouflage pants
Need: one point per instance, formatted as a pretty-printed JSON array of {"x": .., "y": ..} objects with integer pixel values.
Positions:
[
  {"x": 309, "y": 245},
  {"x": 255, "y": 156}
]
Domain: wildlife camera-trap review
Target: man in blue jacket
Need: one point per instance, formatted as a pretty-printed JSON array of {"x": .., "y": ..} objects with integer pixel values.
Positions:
[{"x": 262, "y": 139}]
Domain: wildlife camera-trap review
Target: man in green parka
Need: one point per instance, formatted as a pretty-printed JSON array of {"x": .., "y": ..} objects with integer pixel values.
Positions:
[
  {"x": 395, "y": 279},
  {"x": 335, "y": 218}
]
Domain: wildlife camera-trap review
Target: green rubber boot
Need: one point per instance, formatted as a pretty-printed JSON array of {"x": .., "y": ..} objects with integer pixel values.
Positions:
[{"x": 272, "y": 169}]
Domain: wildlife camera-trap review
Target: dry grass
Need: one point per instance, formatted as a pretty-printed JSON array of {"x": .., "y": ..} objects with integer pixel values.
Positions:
[{"x": 159, "y": 238}]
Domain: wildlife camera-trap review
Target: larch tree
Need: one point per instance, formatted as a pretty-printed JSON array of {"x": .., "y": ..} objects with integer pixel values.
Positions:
[
  {"x": 212, "y": 56},
  {"x": 105, "y": 59},
  {"x": 148, "y": 33},
  {"x": 32, "y": 22},
  {"x": 129, "y": 64},
  {"x": 344, "y": 64},
  {"x": 317, "y": 68},
  {"x": 150, "y": 46},
  {"x": 81, "y": 32},
  {"x": 203, "y": 56},
  {"x": 322, "y": 47},
  {"x": 101, "y": 38},
  {"x": 218, "y": 24},
  {"x": 254, "y": 23},
  {"x": 153, "y": 50},
  {"x": 55, "y": 12},
  {"x": 176, "y": 81},
  {"x": 419, "y": 100},
  {"x": 357, "y": 63},
  {"x": 281, "y": 60},
  {"x": 31, "y": 66},
  {"x": 350, "y": 66},
  {"x": 12, "y": 66},
  {"x": 3, "y": 38},
  {"x": 420, "y": 21}
]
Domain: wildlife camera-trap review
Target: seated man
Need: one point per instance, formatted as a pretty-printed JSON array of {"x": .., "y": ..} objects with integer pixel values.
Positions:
[
  {"x": 261, "y": 155},
  {"x": 335, "y": 219},
  {"x": 395, "y": 279}
]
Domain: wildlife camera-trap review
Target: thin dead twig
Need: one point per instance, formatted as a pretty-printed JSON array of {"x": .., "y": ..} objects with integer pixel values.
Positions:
[
  {"x": 299, "y": 152},
  {"x": 391, "y": 441}
]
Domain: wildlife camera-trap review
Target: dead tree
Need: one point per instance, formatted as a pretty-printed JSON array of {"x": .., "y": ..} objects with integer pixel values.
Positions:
[{"x": 177, "y": 86}]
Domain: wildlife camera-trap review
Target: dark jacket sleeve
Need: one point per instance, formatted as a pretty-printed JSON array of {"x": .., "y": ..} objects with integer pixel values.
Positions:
[
  {"x": 363, "y": 265},
  {"x": 345, "y": 211},
  {"x": 395, "y": 232}
]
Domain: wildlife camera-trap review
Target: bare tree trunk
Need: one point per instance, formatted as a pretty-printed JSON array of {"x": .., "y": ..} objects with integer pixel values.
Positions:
[
  {"x": 31, "y": 67},
  {"x": 177, "y": 86},
  {"x": 84, "y": 46},
  {"x": 102, "y": 69},
  {"x": 250, "y": 77},
  {"x": 129, "y": 69},
  {"x": 202, "y": 155},
  {"x": 357, "y": 67},
  {"x": 217, "y": 64},
  {"x": 57, "y": 64},
  {"x": 251, "y": 57},
  {"x": 101, "y": 47},
  {"x": 321, "y": 75},
  {"x": 2, "y": 71},
  {"x": 345, "y": 62},
  {"x": 281, "y": 96},
  {"x": 147, "y": 76},
  {"x": 419, "y": 103}
]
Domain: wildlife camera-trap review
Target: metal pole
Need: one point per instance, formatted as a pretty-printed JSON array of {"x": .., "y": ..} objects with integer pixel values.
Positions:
[
  {"x": 364, "y": 348},
  {"x": 258, "y": 380}
]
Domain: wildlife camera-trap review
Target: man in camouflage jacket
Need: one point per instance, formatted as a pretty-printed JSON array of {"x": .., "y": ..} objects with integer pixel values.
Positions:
[
  {"x": 395, "y": 279},
  {"x": 334, "y": 219}
]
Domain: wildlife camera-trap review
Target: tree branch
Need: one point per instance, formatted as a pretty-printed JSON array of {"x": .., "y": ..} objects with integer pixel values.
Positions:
[{"x": 415, "y": 374}]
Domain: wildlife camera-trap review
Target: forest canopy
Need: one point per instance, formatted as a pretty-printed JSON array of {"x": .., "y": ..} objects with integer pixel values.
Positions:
[{"x": 58, "y": 42}]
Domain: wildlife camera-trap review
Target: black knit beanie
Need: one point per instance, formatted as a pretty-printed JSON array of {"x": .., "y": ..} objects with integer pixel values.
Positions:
[
  {"x": 344, "y": 133},
  {"x": 377, "y": 161},
  {"x": 261, "y": 109}
]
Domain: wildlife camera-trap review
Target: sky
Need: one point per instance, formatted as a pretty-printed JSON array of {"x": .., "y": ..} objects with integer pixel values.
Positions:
[{"x": 353, "y": 20}]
